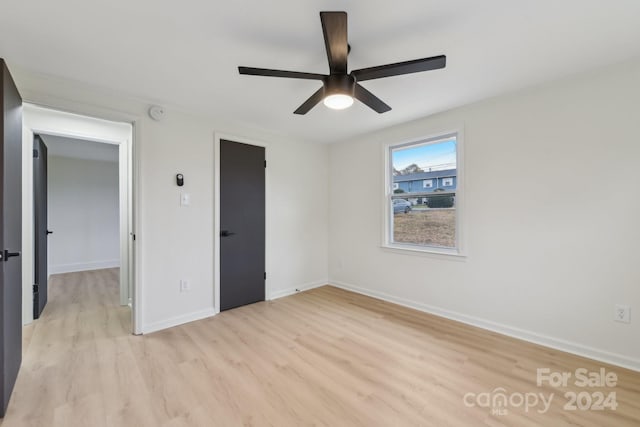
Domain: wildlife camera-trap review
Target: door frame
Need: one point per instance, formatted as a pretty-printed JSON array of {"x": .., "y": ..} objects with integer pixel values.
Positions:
[
  {"x": 42, "y": 120},
  {"x": 216, "y": 212}
]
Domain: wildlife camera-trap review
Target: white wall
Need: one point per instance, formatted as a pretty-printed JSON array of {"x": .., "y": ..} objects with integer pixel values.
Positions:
[
  {"x": 553, "y": 202},
  {"x": 83, "y": 214},
  {"x": 177, "y": 242}
]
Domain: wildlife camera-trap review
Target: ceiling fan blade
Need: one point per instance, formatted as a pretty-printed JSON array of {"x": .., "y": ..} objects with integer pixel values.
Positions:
[
  {"x": 279, "y": 73},
  {"x": 334, "y": 29},
  {"x": 311, "y": 102},
  {"x": 399, "y": 68},
  {"x": 370, "y": 100}
]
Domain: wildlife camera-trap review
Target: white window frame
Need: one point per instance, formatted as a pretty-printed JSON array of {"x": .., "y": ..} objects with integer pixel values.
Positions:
[
  {"x": 427, "y": 181},
  {"x": 447, "y": 179},
  {"x": 387, "y": 206}
]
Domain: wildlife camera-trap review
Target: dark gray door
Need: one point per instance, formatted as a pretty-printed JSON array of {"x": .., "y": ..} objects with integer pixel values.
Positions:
[
  {"x": 242, "y": 226},
  {"x": 10, "y": 235},
  {"x": 40, "y": 225}
]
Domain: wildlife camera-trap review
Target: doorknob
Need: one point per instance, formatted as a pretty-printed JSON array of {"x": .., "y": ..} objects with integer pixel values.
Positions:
[
  {"x": 49, "y": 232},
  {"x": 226, "y": 233},
  {"x": 6, "y": 254}
]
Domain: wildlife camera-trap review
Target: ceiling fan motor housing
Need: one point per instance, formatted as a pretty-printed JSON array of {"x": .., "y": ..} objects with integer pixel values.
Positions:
[{"x": 343, "y": 84}]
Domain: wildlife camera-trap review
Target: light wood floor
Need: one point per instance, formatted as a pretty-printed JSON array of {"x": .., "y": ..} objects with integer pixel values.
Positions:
[{"x": 322, "y": 357}]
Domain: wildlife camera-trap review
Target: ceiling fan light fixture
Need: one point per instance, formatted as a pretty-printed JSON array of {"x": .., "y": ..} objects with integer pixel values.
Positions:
[
  {"x": 338, "y": 101},
  {"x": 340, "y": 86},
  {"x": 339, "y": 90}
]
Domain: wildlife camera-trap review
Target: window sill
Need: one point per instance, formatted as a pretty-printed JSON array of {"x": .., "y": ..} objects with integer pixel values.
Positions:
[{"x": 431, "y": 252}]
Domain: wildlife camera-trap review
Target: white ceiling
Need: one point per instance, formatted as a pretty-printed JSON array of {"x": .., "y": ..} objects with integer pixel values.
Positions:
[
  {"x": 80, "y": 149},
  {"x": 185, "y": 54}
]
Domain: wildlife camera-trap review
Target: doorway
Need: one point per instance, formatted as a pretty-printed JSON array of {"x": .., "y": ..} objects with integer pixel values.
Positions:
[
  {"x": 242, "y": 271},
  {"x": 79, "y": 133},
  {"x": 75, "y": 196}
]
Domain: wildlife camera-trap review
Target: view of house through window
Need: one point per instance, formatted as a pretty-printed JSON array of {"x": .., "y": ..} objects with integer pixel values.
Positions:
[{"x": 423, "y": 199}]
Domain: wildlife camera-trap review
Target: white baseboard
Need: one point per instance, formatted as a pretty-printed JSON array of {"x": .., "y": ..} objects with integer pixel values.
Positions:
[
  {"x": 536, "y": 338},
  {"x": 290, "y": 291},
  {"x": 178, "y": 320},
  {"x": 83, "y": 266}
]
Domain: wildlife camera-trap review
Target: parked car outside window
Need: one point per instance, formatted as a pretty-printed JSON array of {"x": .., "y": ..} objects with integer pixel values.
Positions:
[{"x": 400, "y": 206}]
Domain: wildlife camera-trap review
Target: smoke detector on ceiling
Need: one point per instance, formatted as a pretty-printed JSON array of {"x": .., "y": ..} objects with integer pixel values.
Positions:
[{"x": 156, "y": 112}]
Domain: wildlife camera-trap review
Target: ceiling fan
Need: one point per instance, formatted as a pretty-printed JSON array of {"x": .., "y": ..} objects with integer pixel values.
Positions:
[{"x": 339, "y": 87}]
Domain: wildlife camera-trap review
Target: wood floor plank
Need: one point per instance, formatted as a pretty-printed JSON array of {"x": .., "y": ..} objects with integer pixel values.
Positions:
[{"x": 325, "y": 357}]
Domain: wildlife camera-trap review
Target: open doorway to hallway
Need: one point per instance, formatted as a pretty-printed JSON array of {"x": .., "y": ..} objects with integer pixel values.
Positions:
[
  {"x": 79, "y": 242},
  {"x": 76, "y": 219}
]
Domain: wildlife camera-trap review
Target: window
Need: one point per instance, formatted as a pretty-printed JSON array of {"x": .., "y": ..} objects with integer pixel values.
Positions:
[{"x": 431, "y": 223}]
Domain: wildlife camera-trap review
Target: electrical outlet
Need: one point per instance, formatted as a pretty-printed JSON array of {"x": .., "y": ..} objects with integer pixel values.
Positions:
[
  {"x": 185, "y": 285},
  {"x": 622, "y": 313}
]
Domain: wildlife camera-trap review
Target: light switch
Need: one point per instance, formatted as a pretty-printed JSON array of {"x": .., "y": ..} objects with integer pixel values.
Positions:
[{"x": 185, "y": 199}]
